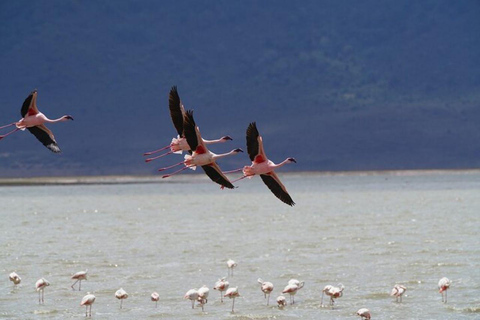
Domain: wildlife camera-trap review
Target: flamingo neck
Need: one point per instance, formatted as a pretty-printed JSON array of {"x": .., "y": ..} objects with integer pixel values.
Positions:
[
  {"x": 218, "y": 156},
  {"x": 281, "y": 164},
  {"x": 56, "y": 120}
]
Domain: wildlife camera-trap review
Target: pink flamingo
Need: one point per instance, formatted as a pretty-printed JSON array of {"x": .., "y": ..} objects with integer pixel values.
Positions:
[
  {"x": 178, "y": 144},
  {"x": 201, "y": 156},
  {"x": 267, "y": 288},
  {"x": 33, "y": 120},
  {"x": 264, "y": 167},
  {"x": 333, "y": 293},
  {"x": 192, "y": 295},
  {"x": 221, "y": 285},
  {"x": 397, "y": 292},
  {"x": 203, "y": 295},
  {"x": 232, "y": 293},
  {"x": 79, "y": 276},
  {"x": 87, "y": 301},
  {"x": 40, "y": 285},
  {"x": 15, "y": 278},
  {"x": 364, "y": 313},
  {"x": 231, "y": 264},
  {"x": 443, "y": 286},
  {"x": 281, "y": 301},
  {"x": 155, "y": 297},
  {"x": 292, "y": 288},
  {"x": 121, "y": 294}
]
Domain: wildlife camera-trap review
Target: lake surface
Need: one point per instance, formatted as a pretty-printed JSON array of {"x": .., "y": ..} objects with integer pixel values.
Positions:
[{"x": 366, "y": 231}]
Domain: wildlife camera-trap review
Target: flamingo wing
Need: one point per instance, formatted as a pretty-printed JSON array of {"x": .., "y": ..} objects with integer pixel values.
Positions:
[
  {"x": 216, "y": 175},
  {"x": 277, "y": 188},
  {"x": 30, "y": 104},
  {"x": 45, "y": 136},
  {"x": 252, "y": 140},
  {"x": 177, "y": 111},
  {"x": 192, "y": 133}
]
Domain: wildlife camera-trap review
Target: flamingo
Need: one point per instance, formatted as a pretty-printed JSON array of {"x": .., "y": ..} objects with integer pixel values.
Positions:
[
  {"x": 178, "y": 144},
  {"x": 231, "y": 264},
  {"x": 292, "y": 288},
  {"x": 232, "y": 293},
  {"x": 34, "y": 121},
  {"x": 155, "y": 297},
  {"x": 281, "y": 301},
  {"x": 364, "y": 313},
  {"x": 203, "y": 295},
  {"x": 333, "y": 292},
  {"x": 121, "y": 295},
  {"x": 443, "y": 286},
  {"x": 40, "y": 285},
  {"x": 398, "y": 291},
  {"x": 201, "y": 156},
  {"x": 221, "y": 285},
  {"x": 87, "y": 301},
  {"x": 262, "y": 166},
  {"x": 15, "y": 278},
  {"x": 267, "y": 288},
  {"x": 79, "y": 276},
  {"x": 192, "y": 295}
]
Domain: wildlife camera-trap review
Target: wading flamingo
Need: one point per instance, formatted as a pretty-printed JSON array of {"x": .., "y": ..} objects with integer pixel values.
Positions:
[
  {"x": 264, "y": 167},
  {"x": 155, "y": 297},
  {"x": 443, "y": 286},
  {"x": 267, "y": 288},
  {"x": 34, "y": 121},
  {"x": 397, "y": 292},
  {"x": 364, "y": 313},
  {"x": 15, "y": 278},
  {"x": 203, "y": 295},
  {"x": 191, "y": 295},
  {"x": 292, "y": 288},
  {"x": 201, "y": 156},
  {"x": 87, "y": 301},
  {"x": 40, "y": 285},
  {"x": 333, "y": 293},
  {"x": 231, "y": 264},
  {"x": 79, "y": 276},
  {"x": 232, "y": 293},
  {"x": 281, "y": 301},
  {"x": 221, "y": 285},
  {"x": 177, "y": 113},
  {"x": 121, "y": 295}
]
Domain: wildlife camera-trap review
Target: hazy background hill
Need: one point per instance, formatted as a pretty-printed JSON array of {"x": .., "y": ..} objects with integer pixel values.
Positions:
[{"x": 339, "y": 85}]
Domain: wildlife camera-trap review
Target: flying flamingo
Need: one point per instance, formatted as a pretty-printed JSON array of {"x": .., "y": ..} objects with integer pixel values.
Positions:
[
  {"x": 333, "y": 292},
  {"x": 15, "y": 278},
  {"x": 443, "y": 286},
  {"x": 121, "y": 295},
  {"x": 398, "y": 291},
  {"x": 232, "y": 293},
  {"x": 364, "y": 313},
  {"x": 40, "y": 285},
  {"x": 203, "y": 295},
  {"x": 264, "y": 167},
  {"x": 221, "y": 285},
  {"x": 281, "y": 301},
  {"x": 231, "y": 264},
  {"x": 79, "y": 276},
  {"x": 292, "y": 288},
  {"x": 267, "y": 288},
  {"x": 191, "y": 295},
  {"x": 34, "y": 120},
  {"x": 87, "y": 301},
  {"x": 155, "y": 297},
  {"x": 201, "y": 156},
  {"x": 177, "y": 113}
]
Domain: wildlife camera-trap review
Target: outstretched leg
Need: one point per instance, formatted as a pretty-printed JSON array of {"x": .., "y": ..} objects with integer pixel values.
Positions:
[
  {"x": 74, "y": 285},
  {"x": 172, "y": 166},
  {"x": 160, "y": 156},
  {"x": 8, "y": 125},
  {"x": 7, "y": 134},
  {"x": 155, "y": 151},
  {"x": 171, "y": 174}
]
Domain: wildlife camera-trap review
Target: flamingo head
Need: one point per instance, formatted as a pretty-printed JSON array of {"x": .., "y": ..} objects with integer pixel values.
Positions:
[
  {"x": 237, "y": 150},
  {"x": 226, "y": 138},
  {"x": 68, "y": 117},
  {"x": 290, "y": 160}
]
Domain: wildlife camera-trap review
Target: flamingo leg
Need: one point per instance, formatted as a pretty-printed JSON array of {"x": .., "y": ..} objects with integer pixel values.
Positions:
[
  {"x": 233, "y": 171},
  {"x": 268, "y": 300},
  {"x": 233, "y": 305},
  {"x": 171, "y": 174},
  {"x": 80, "y": 285},
  {"x": 121, "y": 302},
  {"x": 8, "y": 125},
  {"x": 39, "y": 300},
  {"x": 155, "y": 151},
  {"x": 172, "y": 166},
  {"x": 9, "y": 133},
  {"x": 158, "y": 157},
  {"x": 446, "y": 296},
  {"x": 242, "y": 177},
  {"x": 221, "y": 296},
  {"x": 156, "y": 304},
  {"x": 43, "y": 296},
  {"x": 193, "y": 304},
  {"x": 74, "y": 285}
]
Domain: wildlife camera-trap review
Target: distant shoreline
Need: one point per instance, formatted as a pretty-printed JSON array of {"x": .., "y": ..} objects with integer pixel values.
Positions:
[{"x": 137, "y": 179}]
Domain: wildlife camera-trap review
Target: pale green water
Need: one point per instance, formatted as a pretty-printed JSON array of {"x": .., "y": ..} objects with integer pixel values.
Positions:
[{"x": 365, "y": 231}]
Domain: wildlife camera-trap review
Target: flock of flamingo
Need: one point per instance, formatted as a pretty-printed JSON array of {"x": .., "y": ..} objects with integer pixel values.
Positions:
[
  {"x": 223, "y": 286},
  {"x": 188, "y": 139}
]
